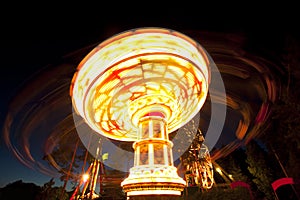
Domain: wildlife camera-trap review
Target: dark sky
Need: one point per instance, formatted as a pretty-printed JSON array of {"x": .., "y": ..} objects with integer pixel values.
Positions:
[{"x": 33, "y": 38}]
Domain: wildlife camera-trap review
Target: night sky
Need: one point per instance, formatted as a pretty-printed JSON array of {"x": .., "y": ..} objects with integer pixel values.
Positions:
[{"x": 31, "y": 41}]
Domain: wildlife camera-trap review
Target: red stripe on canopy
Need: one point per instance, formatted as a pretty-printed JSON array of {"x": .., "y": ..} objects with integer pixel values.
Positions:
[{"x": 282, "y": 181}]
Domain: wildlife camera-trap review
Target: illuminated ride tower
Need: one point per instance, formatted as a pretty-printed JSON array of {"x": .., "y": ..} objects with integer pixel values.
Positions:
[{"x": 139, "y": 86}]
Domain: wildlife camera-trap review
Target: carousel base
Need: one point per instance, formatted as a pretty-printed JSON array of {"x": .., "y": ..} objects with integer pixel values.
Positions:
[{"x": 153, "y": 181}]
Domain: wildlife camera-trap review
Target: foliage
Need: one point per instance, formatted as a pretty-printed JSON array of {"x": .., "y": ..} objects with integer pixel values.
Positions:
[
  {"x": 71, "y": 156},
  {"x": 19, "y": 190},
  {"x": 48, "y": 192},
  {"x": 235, "y": 164},
  {"x": 262, "y": 173},
  {"x": 282, "y": 138}
]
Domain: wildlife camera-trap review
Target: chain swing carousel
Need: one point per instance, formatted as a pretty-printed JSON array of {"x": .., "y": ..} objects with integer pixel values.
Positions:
[
  {"x": 252, "y": 86},
  {"x": 139, "y": 86},
  {"x": 256, "y": 79}
]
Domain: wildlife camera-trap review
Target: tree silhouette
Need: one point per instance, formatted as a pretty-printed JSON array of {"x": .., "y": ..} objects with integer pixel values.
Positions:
[
  {"x": 261, "y": 171},
  {"x": 19, "y": 190},
  {"x": 50, "y": 192},
  {"x": 282, "y": 137},
  {"x": 235, "y": 164}
]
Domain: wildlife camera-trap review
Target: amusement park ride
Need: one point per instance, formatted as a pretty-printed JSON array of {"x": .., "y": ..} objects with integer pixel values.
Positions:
[
  {"x": 197, "y": 164},
  {"x": 140, "y": 86}
]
